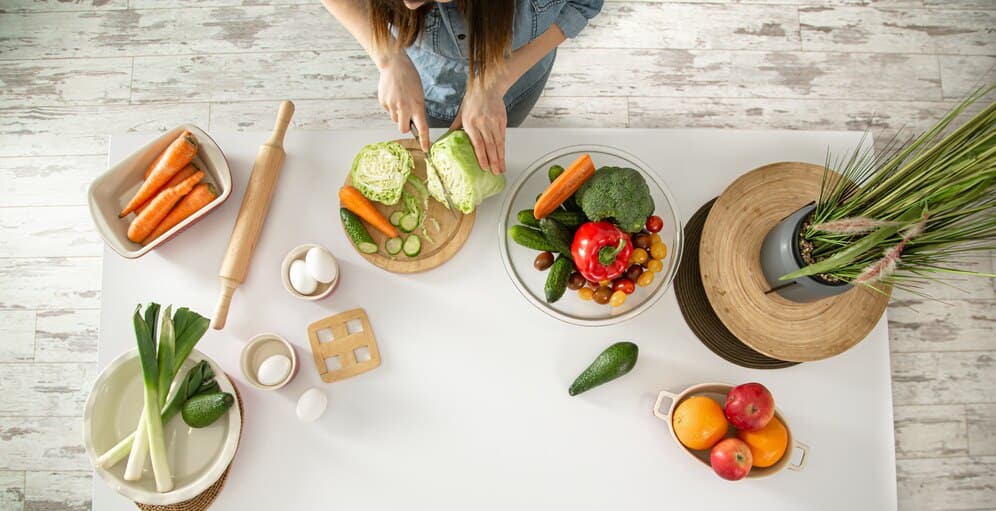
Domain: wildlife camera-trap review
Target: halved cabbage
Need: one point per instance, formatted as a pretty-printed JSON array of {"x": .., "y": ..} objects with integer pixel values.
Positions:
[
  {"x": 453, "y": 162},
  {"x": 380, "y": 170}
]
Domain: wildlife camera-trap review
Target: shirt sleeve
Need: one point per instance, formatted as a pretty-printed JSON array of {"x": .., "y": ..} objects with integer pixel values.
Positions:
[{"x": 575, "y": 15}]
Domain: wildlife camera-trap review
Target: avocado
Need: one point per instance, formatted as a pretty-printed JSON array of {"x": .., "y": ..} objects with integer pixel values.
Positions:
[
  {"x": 203, "y": 409},
  {"x": 610, "y": 364}
]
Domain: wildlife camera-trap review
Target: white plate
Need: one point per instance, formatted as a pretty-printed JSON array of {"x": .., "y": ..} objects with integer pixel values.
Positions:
[{"x": 197, "y": 457}]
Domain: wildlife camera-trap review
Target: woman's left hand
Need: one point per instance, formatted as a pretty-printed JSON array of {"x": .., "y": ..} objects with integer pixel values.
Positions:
[{"x": 482, "y": 115}]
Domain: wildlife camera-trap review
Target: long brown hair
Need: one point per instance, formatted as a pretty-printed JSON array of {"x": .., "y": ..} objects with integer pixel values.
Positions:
[{"x": 489, "y": 23}]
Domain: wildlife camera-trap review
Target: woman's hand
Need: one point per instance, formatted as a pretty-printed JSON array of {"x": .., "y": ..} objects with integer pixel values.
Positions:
[
  {"x": 482, "y": 115},
  {"x": 400, "y": 93}
]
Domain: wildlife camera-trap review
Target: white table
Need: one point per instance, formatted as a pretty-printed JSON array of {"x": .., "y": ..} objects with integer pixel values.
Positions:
[{"x": 469, "y": 409}]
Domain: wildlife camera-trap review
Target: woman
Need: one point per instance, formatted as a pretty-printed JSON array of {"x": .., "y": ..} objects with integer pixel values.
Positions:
[{"x": 476, "y": 64}]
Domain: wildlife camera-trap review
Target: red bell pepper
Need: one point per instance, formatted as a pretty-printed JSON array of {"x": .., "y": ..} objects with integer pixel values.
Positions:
[{"x": 601, "y": 251}]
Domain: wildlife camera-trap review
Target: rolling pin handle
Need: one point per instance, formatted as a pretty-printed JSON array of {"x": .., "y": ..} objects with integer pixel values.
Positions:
[
  {"x": 224, "y": 301},
  {"x": 283, "y": 121}
]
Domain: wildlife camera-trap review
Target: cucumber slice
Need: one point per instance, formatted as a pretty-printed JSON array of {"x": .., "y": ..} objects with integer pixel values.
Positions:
[
  {"x": 412, "y": 246},
  {"x": 408, "y": 222},
  {"x": 393, "y": 246},
  {"x": 395, "y": 217}
]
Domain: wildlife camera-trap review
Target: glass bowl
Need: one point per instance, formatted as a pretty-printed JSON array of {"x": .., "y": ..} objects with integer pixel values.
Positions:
[{"x": 518, "y": 260}]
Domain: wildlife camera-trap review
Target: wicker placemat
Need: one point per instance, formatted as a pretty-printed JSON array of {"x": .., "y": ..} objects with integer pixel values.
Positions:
[
  {"x": 204, "y": 499},
  {"x": 698, "y": 313}
]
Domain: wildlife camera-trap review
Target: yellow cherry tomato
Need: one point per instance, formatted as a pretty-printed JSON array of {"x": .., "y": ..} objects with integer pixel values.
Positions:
[
  {"x": 655, "y": 238},
  {"x": 655, "y": 265},
  {"x": 658, "y": 250},
  {"x": 618, "y": 298},
  {"x": 639, "y": 256},
  {"x": 586, "y": 293},
  {"x": 645, "y": 279}
]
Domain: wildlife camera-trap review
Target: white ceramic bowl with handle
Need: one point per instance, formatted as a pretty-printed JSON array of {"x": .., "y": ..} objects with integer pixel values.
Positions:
[
  {"x": 718, "y": 392},
  {"x": 197, "y": 457}
]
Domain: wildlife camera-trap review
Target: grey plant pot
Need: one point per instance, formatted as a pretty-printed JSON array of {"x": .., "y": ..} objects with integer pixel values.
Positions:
[{"x": 780, "y": 256}]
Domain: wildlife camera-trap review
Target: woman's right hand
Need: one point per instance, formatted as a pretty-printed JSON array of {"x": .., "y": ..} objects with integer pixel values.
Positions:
[{"x": 400, "y": 93}]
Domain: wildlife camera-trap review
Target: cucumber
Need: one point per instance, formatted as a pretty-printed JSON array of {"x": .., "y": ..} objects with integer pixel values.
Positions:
[
  {"x": 529, "y": 238},
  {"x": 356, "y": 232},
  {"x": 556, "y": 280},
  {"x": 393, "y": 246},
  {"x": 570, "y": 219},
  {"x": 395, "y": 217},
  {"x": 412, "y": 246},
  {"x": 559, "y": 237},
  {"x": 203, "y": 409},
  {"x": 610, "y": 364},
  {"x": 408, "y": 222},
  {"x": 526, "y": 217},
  {"x": 555, "y": 172}
]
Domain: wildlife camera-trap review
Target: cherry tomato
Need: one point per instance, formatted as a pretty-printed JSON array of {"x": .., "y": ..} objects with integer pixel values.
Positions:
[
  {"x": 658, "y": 250},
  {"x": 618, "y": 298},
  {"x": 543, "y": 261},
  {"x": 655, "y": 238},
  {"x": 641, "y": 240},
  {"x": 639, "y": 256},
  {"x": 654, "y": 223},
  {"x": 655, "y": 265},
  {"x": 645, "y": 279},
  {"x": 624, "y": 285},
  {"x": 633, "y": 272},
  {"x": 602, "y": 295},
  {"x": 592, "y": 284},
  {"x": 575, "y": 282},
  {"x": 585, "y": 293}
]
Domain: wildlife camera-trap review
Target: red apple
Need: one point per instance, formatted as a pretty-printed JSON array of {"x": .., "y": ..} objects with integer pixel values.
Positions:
[
  {"x": 749, "y": 406},
  {"x": 731, "y": 459}
]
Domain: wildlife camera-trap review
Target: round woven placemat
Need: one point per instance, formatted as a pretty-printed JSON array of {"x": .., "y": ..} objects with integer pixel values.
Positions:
[
  {"x": 698, "y": 313},
  {"x": 204, "y": 499}
]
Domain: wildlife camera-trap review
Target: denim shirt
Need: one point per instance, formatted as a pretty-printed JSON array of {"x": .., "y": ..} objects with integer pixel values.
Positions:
[{"x": 441, "y": 54}]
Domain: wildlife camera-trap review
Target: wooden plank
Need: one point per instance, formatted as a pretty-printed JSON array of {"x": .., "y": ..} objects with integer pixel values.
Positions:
[
  {"x": 72, "y": 130},
  {"x": 731, "y": 27},
  {"x": 61, "y": 5},
  {"x": 62, "y": 491},
  {"x": 42, "y": 443},
  {"x": 322, "y": 114},
  {"x": 960, "y": 287},
  {"x": 17, "y": 331},
  {"x": 143, "y": 4},
  {"x": 154, "y": 32},
  {"x": 962, "y": 74},
  {"x": 981, "y": 429},
  {"x": 835, "y": 75},
  {"x": 11, "y": 490},
  {"x": 926, "y": 325},
  {"x": 930, "y": 431},
  {"x": 40, "y": 389},
  {"x": 946, "y": 484},
  {"x": 567, "y": 112},
  {"x": 66, "y": 336},
  {"x": 48, "y": 181},
  {"x": 949, "y": 378},
  {"x": 65, "y": 82},
  {"x": 301, "y": 75},
  {"x": 960, "y": 4},
  {"x": 898, "y": 30},
  {"x": 673, "y": 73},
  {"x": 58, "y": 231},
  {"x": 50, "y": 283}
]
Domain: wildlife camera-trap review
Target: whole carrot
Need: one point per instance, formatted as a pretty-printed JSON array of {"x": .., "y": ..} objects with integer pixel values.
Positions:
[
  {"x": 564, "y": 186},
  {"x": 152, "y": 166},
  {"x": 187, "y": 171},
  {"x": 147, "y": 221},
  {"x": 200, "y": 196},
  {"x": 354, "y": 201},
  {"x": 174, "y": 159}
]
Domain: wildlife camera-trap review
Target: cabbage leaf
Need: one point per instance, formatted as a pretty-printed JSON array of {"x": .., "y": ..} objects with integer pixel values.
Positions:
[
  {"x": 380, "y": 170},
  {"x": 452, "y": 162}
]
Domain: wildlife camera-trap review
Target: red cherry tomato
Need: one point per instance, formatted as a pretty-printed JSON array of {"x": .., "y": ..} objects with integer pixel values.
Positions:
[
  {"x": 624, "y": 285},
  {"x": 655, "y": 224}
]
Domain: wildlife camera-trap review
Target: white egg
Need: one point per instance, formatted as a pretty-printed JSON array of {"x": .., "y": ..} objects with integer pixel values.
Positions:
[
  {"x": 311, "y": 405},
  {"x": 273, "y": 370},
  {"x": 300, "y": 279},
  {"x": 321, "y": 264}
]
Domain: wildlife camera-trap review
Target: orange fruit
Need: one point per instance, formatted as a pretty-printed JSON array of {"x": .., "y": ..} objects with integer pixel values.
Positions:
[
  {"x": 699, "y": 422},
  {"x": 768, "y": 444}
]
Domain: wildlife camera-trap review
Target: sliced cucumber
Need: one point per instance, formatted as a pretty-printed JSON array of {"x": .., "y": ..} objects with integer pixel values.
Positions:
[
  {"x": 412, "y": 246},
  {"x": 393, "y": 246},
  {"x": 357, "y": 232},
  {"x": 408, "y": 222},
  {"x": 395, "y": 217}
]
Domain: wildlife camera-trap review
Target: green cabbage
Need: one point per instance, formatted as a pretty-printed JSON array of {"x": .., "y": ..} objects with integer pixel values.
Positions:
[
  {"x": 452, "y": 162},
  {"x": 380, "y": 170}
]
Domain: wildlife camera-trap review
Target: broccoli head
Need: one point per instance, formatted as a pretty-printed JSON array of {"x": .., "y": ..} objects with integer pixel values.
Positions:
[{"x": 618, "y": 194}]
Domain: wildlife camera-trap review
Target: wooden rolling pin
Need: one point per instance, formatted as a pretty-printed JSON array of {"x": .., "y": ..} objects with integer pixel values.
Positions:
[{"x": 252, "y": 213}]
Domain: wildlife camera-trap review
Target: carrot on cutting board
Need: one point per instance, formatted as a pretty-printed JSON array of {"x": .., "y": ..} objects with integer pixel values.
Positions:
[
  {"x": 187, "y": 171},
  {"x": 200, "y": 196},
  {"x": 564, "y": 186},
  {"x": 146, "y": 222},
  {"x": 179, "y": 153},
  {"x": 354, "y": 201}
]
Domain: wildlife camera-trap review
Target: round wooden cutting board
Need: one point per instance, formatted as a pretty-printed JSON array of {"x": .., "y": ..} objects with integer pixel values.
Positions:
[
  {"x": 453, "y": 229},
  {"x": 729, "y": 254}
]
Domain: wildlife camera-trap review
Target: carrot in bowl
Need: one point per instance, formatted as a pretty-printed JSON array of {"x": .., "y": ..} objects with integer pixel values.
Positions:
[
  {"x": 354, "y": 201},
  {"x": 200, "y": 196},
  {"x": 148, "y": 219},
  {"x": 187, "y": 171},
  {"x": 564, "y": 186},
  {"x": 179, "y": 153}
]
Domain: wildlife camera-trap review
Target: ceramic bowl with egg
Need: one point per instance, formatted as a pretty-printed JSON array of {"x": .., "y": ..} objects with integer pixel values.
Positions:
[
  {"x": 310, "y": 272},
  {"x": 268, "y": 362}
]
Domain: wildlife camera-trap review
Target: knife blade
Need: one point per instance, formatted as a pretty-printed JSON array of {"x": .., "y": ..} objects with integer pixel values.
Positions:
[{"x": 446, "y": 191}]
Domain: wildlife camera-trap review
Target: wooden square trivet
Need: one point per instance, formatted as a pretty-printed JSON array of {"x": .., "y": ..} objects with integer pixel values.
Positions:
[{"x": 343, "y": 345}]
